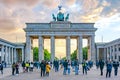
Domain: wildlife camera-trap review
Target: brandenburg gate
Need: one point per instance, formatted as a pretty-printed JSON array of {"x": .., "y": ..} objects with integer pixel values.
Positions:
[{"x": 60, "y": 28}]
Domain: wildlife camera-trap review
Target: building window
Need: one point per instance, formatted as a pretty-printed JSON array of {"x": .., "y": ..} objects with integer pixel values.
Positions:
[
  {"x": 119, "y": 48},
  {"x": 112, "y": 50},
  {"x": 119, "y": 58},
  {"x": 115, "y": 56},
  {"x": 115, "y": 49},
  {"x": 0, "y": 49}
]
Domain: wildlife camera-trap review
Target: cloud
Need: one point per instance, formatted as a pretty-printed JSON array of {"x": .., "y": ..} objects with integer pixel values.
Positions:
[
  {"x": 109, "y": 23},
  {"x": 51, "y": 4},
  {"x": 69, "y": 2},
  {"x": 15, "y": 13},
  {"x": 19, "y": 2},
  {"x": 110, "y": 7},
  {"x": 7, "y": 25}
]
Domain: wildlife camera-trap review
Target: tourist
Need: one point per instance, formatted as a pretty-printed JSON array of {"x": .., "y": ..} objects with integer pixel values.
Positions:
[
  {"x": 17, "y": 68},
  {"x": 65, "y": 66},
  {"x": 56, "y": 65},
  {"x": 97, "y": 64},
  {"x": 101, "y": 64},
  {"x": 115, "y": 65},
  {"x": 43, "y": 68},
  {"x": 27, "y": 65},
  {"x": 31, "y": 66},
  {"x": 84, "y": 67},
  {"x": 47, "y": 69},
  {"x": 109, "y": 68},
  {"x": 69, "y": 65},
  {"x": 72, "y": 64},
  {"x": 1, "y": 68},
  {"x": 13, "y": 68},
  {"x": 23, "y": 66},
  {"x": 76, "y": 65}
]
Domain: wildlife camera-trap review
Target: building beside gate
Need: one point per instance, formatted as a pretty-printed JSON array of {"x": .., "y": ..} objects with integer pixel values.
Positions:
[{"x": 11, "y": 52}]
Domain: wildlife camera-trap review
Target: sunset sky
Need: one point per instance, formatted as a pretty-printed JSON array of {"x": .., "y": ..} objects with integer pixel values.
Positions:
[{"x": 15, "y": 13}]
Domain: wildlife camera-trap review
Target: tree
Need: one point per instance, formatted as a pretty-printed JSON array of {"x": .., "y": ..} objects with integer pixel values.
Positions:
[
  {"x": 35, "y": 54},
  {"x": 85, "y": 53},
  {"x": 74, "y": 55},
  {"x": 46, "y": 55}
]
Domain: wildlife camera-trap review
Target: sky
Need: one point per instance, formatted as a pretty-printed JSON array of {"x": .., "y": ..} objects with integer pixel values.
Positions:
[{"x": 15, "y": 13}]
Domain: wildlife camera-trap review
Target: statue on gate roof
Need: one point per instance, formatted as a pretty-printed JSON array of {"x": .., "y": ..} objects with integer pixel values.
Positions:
[{"x": 60, "y": 15}]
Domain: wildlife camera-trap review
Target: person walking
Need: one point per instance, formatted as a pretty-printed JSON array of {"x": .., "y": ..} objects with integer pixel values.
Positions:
[
  {"x": 109, "y": 68},
  {"x": 47, "y": 69},
  {"x": 84, "y": 67},
  {"x": 65, "y": 65},
  {"x": 101, "y": 65},
  {"x": 23, "y": 66},
  {"x": 13, "y": 68},
  {"x": 17, "y": 68},
  {"x": 1, "y": 68},
  {"x": 115, "y": 66},
  {"x": 31, "y": 66},
  {"x": 76, "y": 65},
  {"x": 27, "y": 65},
  {"x": 43, "y": 68},
  {"x": 56, "y": 65},
  {"x": 69, "y": 66}
]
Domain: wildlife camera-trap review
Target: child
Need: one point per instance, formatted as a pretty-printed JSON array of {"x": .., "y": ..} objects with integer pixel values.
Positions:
[{"x": 47, "y": 69}]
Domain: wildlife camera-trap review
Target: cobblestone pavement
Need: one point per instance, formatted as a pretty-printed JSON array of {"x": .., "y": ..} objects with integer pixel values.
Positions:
[{"x": 93, "y": 74}]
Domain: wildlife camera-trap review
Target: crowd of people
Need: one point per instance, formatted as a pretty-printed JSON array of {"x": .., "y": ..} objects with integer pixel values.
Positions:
[
  {"x": 109, "y": 65},
  {"x": 67, "y": 66}
]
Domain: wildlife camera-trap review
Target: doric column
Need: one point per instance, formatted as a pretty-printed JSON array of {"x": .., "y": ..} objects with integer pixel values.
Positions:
[
  {"x": 89, "y": 48},
  {"x": 52, "y": 48},
  {"x": 6, "y": 55},
  {"x": 117, "y": 47},
  {"x": 68, "y": 47},
  {"x": 98, "y": 53},
  {"x": 22, "y": 54},
  {"x": 92, "y": 47},
  {"x": 31, "y": 54},
  {"x": 41, "y": 48},
  {"x": 9, "y": 61},
  {"x": 28, "y": 48},
  {"x": 113, "y": 52},
  {"x": 12, "y": 55},
  {"x": 107, "y": 53},
  {"x": 2, "y": 53},
  {"x": 80, "y": 54},
  {"x": 110, "y": 54}
]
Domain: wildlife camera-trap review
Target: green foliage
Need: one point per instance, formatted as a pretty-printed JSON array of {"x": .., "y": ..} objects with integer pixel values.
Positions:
[
  {"x": 35, "y": 54},
  {"x": 85, "y": 53},
  {"x": 46, "y": 55},
  {"x": 64, "y": 58},
  {"x": 74, "y": 55}
]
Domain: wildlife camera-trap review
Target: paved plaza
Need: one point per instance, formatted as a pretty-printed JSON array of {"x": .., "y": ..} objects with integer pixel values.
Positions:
[{"x": 93, "y": 74}]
